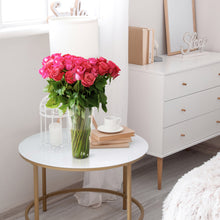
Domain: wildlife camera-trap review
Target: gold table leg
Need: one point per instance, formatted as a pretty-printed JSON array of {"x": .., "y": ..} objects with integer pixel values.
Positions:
[
  {"x": 52, "y": 194},
  {"x": 44, "y": 189},
  {"x": 36, "y": 200},
  {"x": 124, "y": 187},
  {"x": 126, "y": 195},
  {"x": 129, "y": 217}
]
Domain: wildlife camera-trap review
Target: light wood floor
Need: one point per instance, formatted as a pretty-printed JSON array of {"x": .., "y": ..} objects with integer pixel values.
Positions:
[{"x": 144, "y": 182}]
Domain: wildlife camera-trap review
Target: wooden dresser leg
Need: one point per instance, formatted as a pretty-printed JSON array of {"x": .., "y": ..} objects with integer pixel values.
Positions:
[{"x": 159, "y": 172}]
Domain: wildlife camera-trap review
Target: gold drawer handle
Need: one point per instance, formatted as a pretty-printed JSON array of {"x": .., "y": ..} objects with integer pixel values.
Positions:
[
  {"x": 184, "y": 84},
  {"x": 218, "y": 122},
  {"x": 182, "y": 135},
  {"x": 219, "y": 74},
  {"x": 218, "y": 98},
  {"x": 183, "y": 110}
]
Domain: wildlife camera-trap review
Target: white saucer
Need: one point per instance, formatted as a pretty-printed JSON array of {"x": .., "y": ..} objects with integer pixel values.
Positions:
[{"x": 104, "y": 130}]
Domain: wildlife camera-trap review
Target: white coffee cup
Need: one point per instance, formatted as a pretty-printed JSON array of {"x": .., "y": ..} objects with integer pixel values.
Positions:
[{"x": 112, "y": 123}]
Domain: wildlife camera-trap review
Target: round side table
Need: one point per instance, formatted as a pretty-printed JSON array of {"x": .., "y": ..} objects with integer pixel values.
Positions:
[{"x": 33, "y": 152}]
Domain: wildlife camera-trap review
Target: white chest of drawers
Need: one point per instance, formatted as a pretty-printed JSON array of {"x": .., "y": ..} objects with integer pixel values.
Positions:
[{"x": 175, "y": 104}]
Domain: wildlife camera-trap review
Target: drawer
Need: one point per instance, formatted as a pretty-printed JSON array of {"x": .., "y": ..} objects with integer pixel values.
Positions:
[
  {"x": 185, "y": 83},
  {"x": 185, "y": 133},
  {"x": 187, "y": 107}
]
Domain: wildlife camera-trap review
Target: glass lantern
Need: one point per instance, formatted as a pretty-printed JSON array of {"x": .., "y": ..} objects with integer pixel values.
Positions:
[{"x": 53, "y": 126}]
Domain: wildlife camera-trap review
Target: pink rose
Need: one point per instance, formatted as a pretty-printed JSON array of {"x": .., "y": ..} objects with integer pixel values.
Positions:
[
  {"x": 70, "y": 77},
  {"x": 79, "y": 70},
  {"x": 103, "y": 68},
  {"x": 113, "y": 69},
  {"x": 68, "y": 64},
  {"x": 57, "y": 63},
  {"x": 52, "y": 67},
  {"x": 56, "y": 74},
  {"x": 43, "y": 73},
  {"x": 94, "y": 71},
  {"x": 87, "y": 66},
  {"x": 88, "y": 79},
  {"x": 68, "y": 61},
  {"x": 56, "y": 55},
  {"x": 78, "y": 76},
  {"x": 92, "y": 61},
  {"x": 47, "y": 68},
  {"x": 46, "y": 59},
  {"x": 102, "y": 59},
  {"x": 79, "y": 60}
]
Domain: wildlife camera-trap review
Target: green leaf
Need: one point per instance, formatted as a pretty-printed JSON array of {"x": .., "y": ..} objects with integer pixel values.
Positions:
[
  {"x": 76, "y": 87},
  {"x": 52, "y": 95},
  {"x": 72, "y": 102},
  {"x": 104, "y": 107},
  {"x": 63, "y": 108},
  {"x": 63, "y": 99},
  {"x": 46, "y": 88},
  {"x": 103, "y": 98},
  {"x": 93, "y": 101},
  {"x": 61, "y": 90},
  {"x": 100, "y": 84},
  {"x": 52, "y": 103},
  {"x": 81, "y": 100}
]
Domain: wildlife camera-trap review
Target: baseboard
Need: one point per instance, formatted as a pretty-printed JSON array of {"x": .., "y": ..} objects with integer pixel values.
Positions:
[{"x": 19, "y": 211}]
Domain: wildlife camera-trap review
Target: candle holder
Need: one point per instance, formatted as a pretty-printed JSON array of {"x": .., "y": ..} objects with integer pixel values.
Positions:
[{"x": 53, "y": 126}]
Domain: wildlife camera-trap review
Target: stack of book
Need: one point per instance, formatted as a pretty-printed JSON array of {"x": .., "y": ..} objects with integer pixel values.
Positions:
[{"x": 115, "y": 140}]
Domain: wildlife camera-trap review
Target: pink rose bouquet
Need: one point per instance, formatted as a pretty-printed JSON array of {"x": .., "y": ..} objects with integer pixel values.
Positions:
[{"x": 76, "y": 81}]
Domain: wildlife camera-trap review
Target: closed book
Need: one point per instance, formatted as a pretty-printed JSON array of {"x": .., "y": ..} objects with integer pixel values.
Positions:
[
  {"x": 119, "y": 141},
  {"x": 99, "y": 136},
  {"x": 150, "y": 46},
  {"x": 138, "y": 45},
  {"x": 122, "y": 145}
]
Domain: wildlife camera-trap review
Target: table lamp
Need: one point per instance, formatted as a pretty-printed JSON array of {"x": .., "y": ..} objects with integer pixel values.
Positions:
[{"x": 76, "y": 35}]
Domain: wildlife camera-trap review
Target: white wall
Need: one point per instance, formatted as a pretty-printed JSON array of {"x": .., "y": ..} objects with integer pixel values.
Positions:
[
  {"x": 208, "y": 22},
  {"x": 20, "y": 94},
  {"x": 149, "y": 13}
]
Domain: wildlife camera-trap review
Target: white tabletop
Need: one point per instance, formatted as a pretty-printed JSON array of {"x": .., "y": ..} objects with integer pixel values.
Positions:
[{"x": 61, "y": 158}]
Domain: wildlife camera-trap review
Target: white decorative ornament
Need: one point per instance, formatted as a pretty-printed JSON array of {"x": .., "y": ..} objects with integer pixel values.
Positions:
[
  {"x": 53, "y": 126},
  {"x": 193, "y": 42},
  {"x": 156, "y": 47},
  {"x": 54, "y": 7},
  {"x": 76, "y": 11}
]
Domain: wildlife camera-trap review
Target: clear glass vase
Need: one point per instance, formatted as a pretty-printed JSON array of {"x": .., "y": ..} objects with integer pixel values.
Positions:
[{"x": 80, "y": 128}]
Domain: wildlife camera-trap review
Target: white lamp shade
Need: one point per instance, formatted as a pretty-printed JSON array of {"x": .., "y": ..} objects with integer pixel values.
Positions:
[{"x": 74, "y": 35}]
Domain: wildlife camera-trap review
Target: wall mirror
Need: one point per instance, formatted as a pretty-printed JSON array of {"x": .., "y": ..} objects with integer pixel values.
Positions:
[{"x": 179, "y": 19}]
